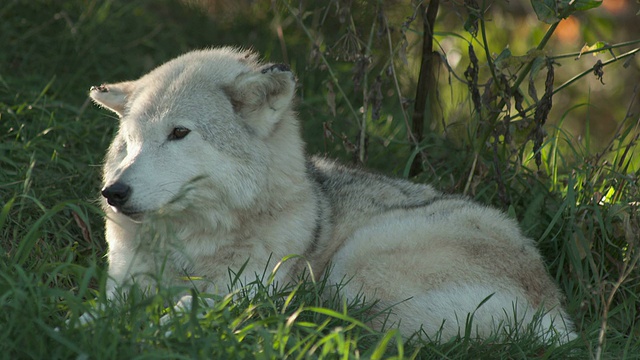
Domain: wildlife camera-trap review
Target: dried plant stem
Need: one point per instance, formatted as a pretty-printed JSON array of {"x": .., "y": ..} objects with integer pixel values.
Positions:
[
  {"x": 334, "y": 78},
  {"x": 608, "y": 47},
  {"x": 362, "y": 146},
  {"x": 425, "y": 80},
  {"x": 487, "y": 52},
  {"x": 589, "y": 71},
  {"x": 584, "y": 73},
  {"x": 471, "y": 172},
  {"x": 521, "y": 76},
  {"x": 412, "y": 139},
  {"x": 628, "y": 268},
  {"x": 540, "y": 46}
]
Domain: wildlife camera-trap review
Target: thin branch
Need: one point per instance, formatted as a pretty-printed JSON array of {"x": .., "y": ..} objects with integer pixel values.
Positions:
[
  {"x": 365, "y": 94},
  {"x": 425, "y": 79},
  {"x": 540, "y": 46},
  {"x": 333, "y": 76},
  {"x": 608, "y": 47},
  {"x": 583, "y": 74},
  {"x": 626, "y": 272},
  {"x": 589, "y": 71},
  {"x": 485, "y": 45}
]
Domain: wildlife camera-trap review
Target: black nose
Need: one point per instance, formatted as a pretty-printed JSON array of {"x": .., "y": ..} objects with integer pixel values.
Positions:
[{"x": 117, "y": 193}]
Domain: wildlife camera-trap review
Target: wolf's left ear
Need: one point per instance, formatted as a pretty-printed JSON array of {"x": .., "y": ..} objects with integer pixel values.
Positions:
[
  {"x": 112, "y": 96},
  {"x": 262, "y": 97}
]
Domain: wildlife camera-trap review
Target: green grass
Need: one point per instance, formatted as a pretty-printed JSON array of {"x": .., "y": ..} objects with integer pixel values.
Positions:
[{"x": 581, "y": 206}]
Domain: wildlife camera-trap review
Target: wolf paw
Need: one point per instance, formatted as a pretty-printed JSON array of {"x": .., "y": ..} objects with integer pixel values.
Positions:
[
  {"x": 84, "y": 319},
  {"x": 184, "y": 305}
]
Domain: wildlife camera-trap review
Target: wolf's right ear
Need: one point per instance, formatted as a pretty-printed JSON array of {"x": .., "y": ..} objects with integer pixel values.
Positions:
[
  {"x": 112, "y": 96},
  {"x": 263, "y": 96}
]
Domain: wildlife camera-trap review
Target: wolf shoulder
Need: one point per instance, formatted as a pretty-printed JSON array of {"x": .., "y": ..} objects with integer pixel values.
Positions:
[
  {"x": 356, "y": 195},
  {"x": 367, "y": 191}
]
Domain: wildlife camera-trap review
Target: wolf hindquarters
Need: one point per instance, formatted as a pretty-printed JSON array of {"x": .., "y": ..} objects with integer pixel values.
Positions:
[{"x": 449, "y": 260}]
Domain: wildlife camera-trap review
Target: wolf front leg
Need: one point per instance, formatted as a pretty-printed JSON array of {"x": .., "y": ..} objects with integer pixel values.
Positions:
[{"x": 132, "y": 256}]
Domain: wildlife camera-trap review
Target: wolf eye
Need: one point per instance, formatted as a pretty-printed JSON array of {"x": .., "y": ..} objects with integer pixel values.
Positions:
[{"x": 178, "y": 133}]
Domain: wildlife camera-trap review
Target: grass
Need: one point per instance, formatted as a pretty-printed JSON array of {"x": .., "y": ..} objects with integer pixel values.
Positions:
[{"x": 581, "y": 207}]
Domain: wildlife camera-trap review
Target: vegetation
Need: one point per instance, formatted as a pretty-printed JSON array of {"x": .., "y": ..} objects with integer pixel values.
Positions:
[{"x": 510, "y": 118}]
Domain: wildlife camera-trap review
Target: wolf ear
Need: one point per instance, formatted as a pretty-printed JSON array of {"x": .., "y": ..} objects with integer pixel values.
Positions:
[
  {"x": 262, "y": 97},
  {"x": 112, "y": 96}
]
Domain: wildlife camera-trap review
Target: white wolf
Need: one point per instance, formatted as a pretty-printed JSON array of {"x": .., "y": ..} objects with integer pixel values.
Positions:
[{"x": 209, "y": 155}]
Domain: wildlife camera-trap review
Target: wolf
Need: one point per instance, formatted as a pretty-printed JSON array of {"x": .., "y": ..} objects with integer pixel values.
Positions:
[{"x": 208, "y": 174}]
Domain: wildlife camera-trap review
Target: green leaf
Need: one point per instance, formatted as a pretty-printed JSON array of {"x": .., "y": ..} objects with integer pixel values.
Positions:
[
  {"x": 537, "y": 64},
  {"x": 471, "y": 25},
  {"x": 582, "y": 5},
  {"x": 598, "y": 45},
  {"x": 5, "y": 211},
  {"x": 546, "y": 10},
  {"x": 503, "y": 60},
  {"x": 552, "y": 11}
]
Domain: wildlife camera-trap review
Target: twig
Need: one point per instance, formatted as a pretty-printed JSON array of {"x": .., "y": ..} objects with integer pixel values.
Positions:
[
  {"x": 412, "y": 139},
  {"x": 486, "y": 47},
  {"x": 584, "y": 73},
  {"x": 425, "y": 79},
  {"x": 333, "y": 76},
  {"x": 608, "y": 47},
  {"x": 362, "y": 148},
  {"x": 589, "y": 71},
  {"x": 628, "y": 268}
]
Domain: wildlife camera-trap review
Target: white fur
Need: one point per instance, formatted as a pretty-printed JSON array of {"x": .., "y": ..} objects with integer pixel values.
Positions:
[{"x": 239, "y": 189}]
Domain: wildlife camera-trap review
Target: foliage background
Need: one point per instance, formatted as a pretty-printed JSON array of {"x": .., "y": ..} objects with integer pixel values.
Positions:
[{"x": 580, "y": 204}]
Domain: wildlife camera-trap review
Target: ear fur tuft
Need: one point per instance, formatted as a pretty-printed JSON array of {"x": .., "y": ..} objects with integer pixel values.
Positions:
[{"x": 112, "y": 96}]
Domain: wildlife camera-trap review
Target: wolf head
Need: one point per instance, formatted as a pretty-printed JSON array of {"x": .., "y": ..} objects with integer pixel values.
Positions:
[{"x": 196, "y": 130}]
